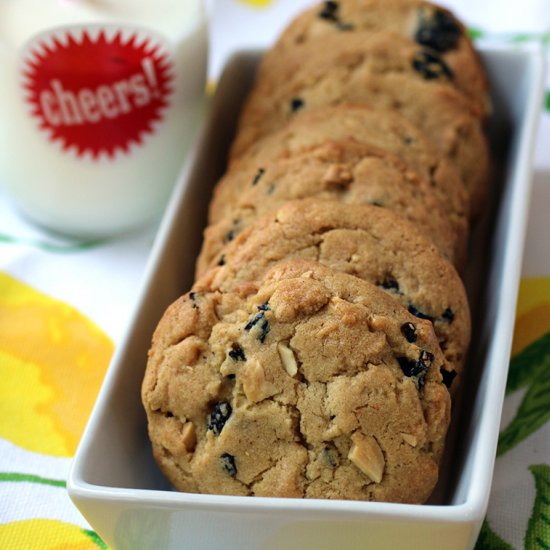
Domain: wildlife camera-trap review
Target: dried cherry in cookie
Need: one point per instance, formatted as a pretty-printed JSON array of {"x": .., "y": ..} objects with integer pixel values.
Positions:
[
  {"x": 438, "y": 30},
  {"x": 219, "y": 416},
  {"x": 431, "y": 66}
]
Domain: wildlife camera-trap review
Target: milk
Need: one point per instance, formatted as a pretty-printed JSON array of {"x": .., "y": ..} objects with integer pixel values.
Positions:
[{"x": 99, "y": 103}]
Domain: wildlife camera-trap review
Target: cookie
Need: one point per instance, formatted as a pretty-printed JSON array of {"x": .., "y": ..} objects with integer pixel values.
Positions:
[
  {"x": 368, "y": 242},
  {"x": 375, "y": 52},
  {"x": 348, "y": 172},
  {"x": 311, "y": 387},
  {"x": 382, "y": 72},
  {"x": 424, "y": 23},
  {"x": 386, "y": 130}
]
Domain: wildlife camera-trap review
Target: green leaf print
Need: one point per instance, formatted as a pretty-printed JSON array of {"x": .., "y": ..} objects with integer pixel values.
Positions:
[
  {"x": 538, "y": 528},
  {"x": 524, "y": 37},
  {"x": 30, "y": 478},
  {"x": 475, "y": 33},
  {"x": 547, "y": 101},
  {"x": 489, "y": 540},
  {"x": 60, "y": 248},
  {"x": 533, "y": 412},
  {"x": 94, "y": 537},
  {"x": 526, "y": 364}
]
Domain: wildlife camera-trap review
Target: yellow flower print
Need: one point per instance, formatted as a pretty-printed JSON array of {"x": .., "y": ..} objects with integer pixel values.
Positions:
[
  {"x": 257, "y": 3},
  {"x": 47, "y": 534},
  {"x": 52, "y": 362},
  {"x": 533, "y": 312}
]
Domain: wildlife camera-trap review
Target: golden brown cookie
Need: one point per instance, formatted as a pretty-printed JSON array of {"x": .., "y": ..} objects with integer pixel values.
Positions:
[
  {"x": 346, "y": 171},
  {"x": 381, "y": 71},
  {"x": 369, "y": 242},
  {"x": 311, "y": 387},
  {"x": 426, "y": 24},
  {"x": 386, "y": 130}
]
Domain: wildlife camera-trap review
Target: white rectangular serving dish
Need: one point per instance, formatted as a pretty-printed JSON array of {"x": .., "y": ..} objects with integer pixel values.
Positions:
[{"x": 114, "y": 480}]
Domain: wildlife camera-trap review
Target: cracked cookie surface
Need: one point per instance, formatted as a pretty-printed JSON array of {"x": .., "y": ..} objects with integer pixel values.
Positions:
[
  {"x": 346, "y": 171},
  {"x": 368, "y": 242},
  {"x": 383, "y": 129},
  {"x": 380, "y": 71},
  {"x": 425, "y": 24},
  {"x": 307, "y": 388}
]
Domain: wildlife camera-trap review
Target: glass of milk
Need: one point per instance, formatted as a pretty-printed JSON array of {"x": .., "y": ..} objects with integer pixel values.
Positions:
[{"x": 99, "y": 103}]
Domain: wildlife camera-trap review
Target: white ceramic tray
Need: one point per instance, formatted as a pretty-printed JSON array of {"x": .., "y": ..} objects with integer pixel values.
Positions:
[{"x": 114, "y": 480}]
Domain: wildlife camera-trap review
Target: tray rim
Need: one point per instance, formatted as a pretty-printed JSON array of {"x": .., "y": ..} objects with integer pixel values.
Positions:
[{"x": 472, "y": 510}]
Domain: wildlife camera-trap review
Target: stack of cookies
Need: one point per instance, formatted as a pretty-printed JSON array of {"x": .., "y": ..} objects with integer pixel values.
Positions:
[{"x": 319, "y": 349}]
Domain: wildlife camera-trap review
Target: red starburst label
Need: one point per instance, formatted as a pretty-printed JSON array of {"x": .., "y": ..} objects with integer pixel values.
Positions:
[{"x": 97, "y": 90}]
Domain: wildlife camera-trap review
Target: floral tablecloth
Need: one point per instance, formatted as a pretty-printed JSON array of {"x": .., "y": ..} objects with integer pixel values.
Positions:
[{"x": 64, "y": 306}]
